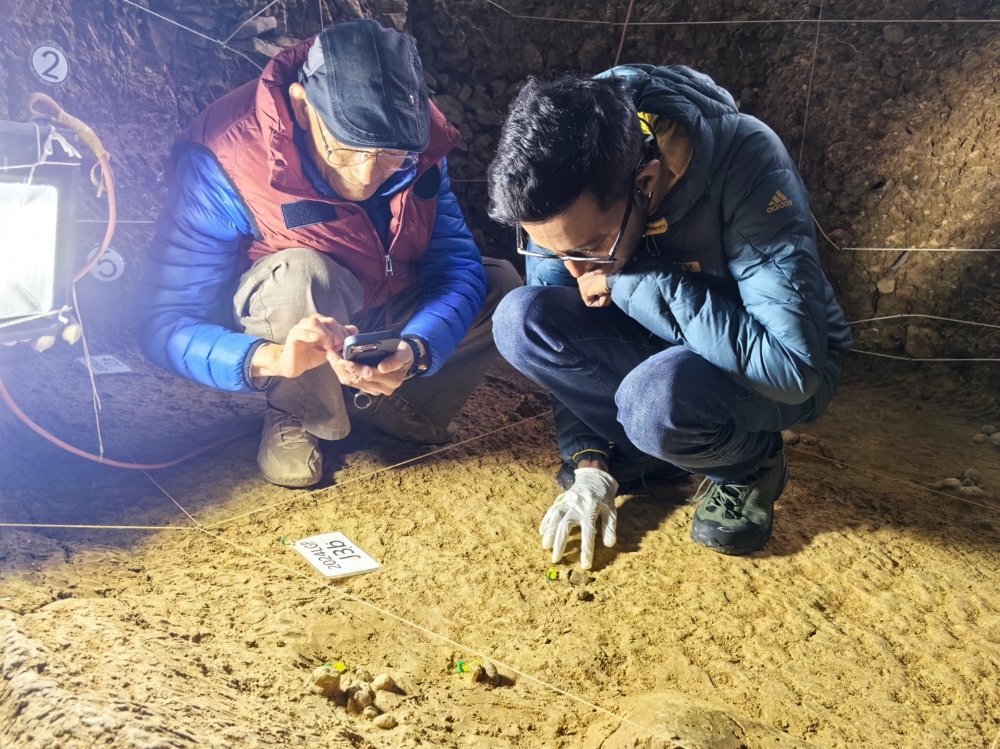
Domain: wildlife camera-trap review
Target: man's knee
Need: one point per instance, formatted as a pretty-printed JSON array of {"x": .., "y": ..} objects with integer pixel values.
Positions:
[
  {"x": 508, "y": 320},
  {"x": 282, "y": 288},
  {"x": 319, "y": 282},
  {"x": 659, "y": 401},
  {"x": 301, "y": 267},
  {"x": 533, "y": 317},
  {"x": 501, "y": 279}
]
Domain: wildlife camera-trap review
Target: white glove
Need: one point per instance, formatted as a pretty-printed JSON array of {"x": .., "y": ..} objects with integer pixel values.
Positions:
[{"x": 591, "y": 496}]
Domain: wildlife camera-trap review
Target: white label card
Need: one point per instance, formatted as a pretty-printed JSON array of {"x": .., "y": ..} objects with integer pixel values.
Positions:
[
  {"x": 106, "y": 364},
  {"x": 335, "y": 555}
]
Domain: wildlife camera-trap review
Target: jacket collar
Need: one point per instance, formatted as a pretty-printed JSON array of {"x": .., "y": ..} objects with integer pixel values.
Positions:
[
  {"x": 707, "y": 112},
  {"x": 278, "y": 125}
]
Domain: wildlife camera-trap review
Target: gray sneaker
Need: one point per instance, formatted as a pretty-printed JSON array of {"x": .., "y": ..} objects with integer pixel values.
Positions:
[
  {"x": 737, "y": 518},
  {"x": 395, "y": 417},
  {"x": 288, "y": 454}
]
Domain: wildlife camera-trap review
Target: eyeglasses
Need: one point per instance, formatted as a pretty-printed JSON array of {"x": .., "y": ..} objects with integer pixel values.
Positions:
[
  {"x": 600, "y": 259},
  {"x": 387, "y": 161}
]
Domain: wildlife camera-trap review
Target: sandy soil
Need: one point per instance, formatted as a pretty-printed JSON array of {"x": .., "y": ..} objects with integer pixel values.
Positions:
[{"x": 872, "y": 618}]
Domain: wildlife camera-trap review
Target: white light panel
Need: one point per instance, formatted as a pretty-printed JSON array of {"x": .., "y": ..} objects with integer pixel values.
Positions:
[{"x": 27, "y": 248}]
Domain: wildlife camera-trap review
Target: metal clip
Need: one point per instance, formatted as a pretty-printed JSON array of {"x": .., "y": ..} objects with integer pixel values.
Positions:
[{"x": 362, "y": 400}]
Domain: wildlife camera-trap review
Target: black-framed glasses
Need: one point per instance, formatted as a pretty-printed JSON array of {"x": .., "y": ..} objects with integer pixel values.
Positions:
[
  {"x": 599, "y": 259},
  {"x": 387, "y": 161}
]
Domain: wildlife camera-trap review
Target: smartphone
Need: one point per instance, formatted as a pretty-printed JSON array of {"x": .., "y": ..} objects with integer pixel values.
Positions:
[{"x": 371, "y": 348}]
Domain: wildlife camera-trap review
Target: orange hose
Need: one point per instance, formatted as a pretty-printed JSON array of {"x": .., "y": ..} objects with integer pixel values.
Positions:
[
  {"x": 109, "y": 180},
  {"x": 44, "y": 106},
  {"x": 96, "y": 458}
]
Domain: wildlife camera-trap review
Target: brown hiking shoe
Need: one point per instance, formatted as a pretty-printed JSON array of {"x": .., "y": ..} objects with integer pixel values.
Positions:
[{"x": 288, "y": 454}]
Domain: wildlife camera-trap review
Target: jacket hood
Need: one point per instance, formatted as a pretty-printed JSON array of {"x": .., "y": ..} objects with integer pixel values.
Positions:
[{"x": 706, "y": 111}]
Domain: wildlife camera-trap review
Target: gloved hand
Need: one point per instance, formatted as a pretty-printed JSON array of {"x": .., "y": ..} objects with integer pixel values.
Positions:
[{"x": 592, "y": 496}]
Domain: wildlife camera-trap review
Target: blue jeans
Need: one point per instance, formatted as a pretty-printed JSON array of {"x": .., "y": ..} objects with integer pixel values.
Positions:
[{"x": 613, "y": 381}]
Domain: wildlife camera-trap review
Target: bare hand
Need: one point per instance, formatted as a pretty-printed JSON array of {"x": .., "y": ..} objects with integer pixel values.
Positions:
[
  {"x": 594, "y": 289},
  {"x": 305, "y": 348},
  {"x": 381, "y": 380}
]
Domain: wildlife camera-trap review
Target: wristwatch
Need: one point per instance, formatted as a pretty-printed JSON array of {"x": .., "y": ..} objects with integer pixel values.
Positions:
[{"x": 419, "y": 366}]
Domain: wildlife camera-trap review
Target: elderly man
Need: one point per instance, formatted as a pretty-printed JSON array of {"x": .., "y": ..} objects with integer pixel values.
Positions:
[
  {"x": 308, "y": 205},
  {"x": 701, "y": 324}
]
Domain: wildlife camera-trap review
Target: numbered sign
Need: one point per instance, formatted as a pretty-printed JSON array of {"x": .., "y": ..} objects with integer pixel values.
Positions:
[
  {"x": 110, "y": 267},
  {"x": 50, "y": 63},
  {"x": 335, "y": 555}
]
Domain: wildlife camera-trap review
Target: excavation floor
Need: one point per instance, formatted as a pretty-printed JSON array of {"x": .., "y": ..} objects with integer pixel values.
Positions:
[{"x": 872, "y": 618}]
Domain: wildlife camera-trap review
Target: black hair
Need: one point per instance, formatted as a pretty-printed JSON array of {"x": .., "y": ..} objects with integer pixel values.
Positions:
[{"x": 561, "y": 139}]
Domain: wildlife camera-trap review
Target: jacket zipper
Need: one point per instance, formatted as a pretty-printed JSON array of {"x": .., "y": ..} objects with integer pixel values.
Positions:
[
  {"x": 387, "y": 253},
  {"x": 388, "y": 264},
  {"x": 378, "y": 241},
  {"x": 404, "y": 201}
]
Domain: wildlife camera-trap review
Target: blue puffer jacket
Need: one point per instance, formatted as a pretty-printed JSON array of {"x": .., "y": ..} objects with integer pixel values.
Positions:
[
  {"x": 185, "y": 302},
  {"x": 736, "y": 278}
]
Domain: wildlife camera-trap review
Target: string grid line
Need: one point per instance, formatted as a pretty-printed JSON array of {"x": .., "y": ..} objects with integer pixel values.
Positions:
[
  {"x": 303, "y": 495},
  {"x": 928, "y": 317},
  {"x": 316, "y": 492},
  {"x": 809, "y": 88},
  {"x": 237, "y": 29},
  {"x": 746, "y": 21},
  {"x": 888, "y": 477},
  {"x": 196, "y": 33},
  {"x": 157, "y": 485}
]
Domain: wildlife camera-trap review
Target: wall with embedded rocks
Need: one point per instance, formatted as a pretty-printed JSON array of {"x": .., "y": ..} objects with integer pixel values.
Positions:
[{"x": 899, "y": 151}]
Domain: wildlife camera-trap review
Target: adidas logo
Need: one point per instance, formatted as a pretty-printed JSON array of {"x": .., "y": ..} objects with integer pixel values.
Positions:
[{"x": 778, "y": 202}]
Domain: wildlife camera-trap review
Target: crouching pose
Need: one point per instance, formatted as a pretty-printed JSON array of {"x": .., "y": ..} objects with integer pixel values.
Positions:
[
  {"x": 307, "y": 205},
  {"x": 676, "y": 309}
]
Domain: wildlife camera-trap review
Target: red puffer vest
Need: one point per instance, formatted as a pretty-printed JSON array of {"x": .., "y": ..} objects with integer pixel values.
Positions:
[{"x": 249, "y": 132}]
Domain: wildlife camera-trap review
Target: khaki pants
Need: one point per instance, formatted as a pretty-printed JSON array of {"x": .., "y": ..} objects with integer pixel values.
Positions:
[{"x": 281, "y": 289}]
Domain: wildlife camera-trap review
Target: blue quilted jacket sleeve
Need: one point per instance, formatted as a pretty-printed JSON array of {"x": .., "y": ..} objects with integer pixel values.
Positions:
[
  {"x": 454, "y": 281},
  {"x": 185, "y": 292},
  {"x": 775, "y": 341}
]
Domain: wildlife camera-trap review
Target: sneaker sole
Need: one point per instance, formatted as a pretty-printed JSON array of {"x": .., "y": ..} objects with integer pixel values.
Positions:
[
  {"x": 738, "y": 551},
  {"x": 756, "y": 545},
  {"x": 289, "y": 484}
]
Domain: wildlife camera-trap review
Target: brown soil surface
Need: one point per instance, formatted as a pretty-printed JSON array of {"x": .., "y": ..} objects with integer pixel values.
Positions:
[{"x": 872, "y": 617}]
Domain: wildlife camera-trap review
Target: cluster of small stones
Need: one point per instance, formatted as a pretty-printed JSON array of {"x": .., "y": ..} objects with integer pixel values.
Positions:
[
  {"x": 988, "y": 435},
  {"x": 485, "y": 673},
  {"x": 788, "y": 437},
  {"x": 967, "y": 483},
  {"x": 358, "y": 695}
]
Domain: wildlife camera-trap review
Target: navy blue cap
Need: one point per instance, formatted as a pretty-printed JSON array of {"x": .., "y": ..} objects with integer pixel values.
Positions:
[{"x": 367, "y": 85}]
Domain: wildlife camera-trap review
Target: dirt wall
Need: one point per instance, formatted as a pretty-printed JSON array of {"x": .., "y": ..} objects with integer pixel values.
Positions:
[{"x": 900, "y": 147}]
